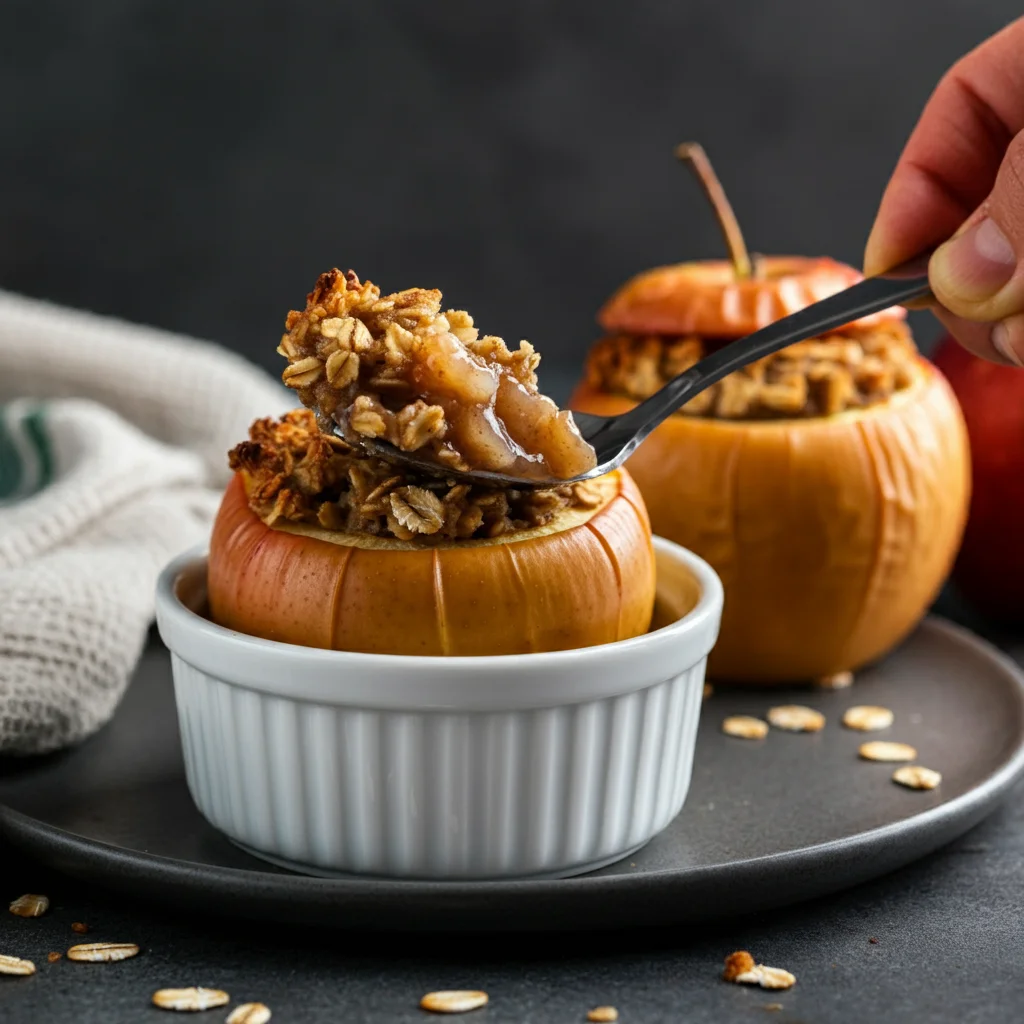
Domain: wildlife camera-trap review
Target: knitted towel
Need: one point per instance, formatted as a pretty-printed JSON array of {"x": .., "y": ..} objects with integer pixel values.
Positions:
[{"x": 113, "y": 442}]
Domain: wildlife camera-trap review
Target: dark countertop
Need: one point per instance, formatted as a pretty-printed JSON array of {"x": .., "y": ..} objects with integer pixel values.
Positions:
[{"x": 948, "y": 947}]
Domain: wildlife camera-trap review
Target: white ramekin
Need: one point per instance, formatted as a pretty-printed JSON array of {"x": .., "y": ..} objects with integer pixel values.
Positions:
[{"x": 512, "y": 766}]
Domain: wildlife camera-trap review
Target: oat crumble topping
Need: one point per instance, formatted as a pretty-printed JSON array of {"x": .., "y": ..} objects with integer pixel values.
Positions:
[
  {"x": 851, "y": 369},
  {"x": 297, "y": 473},
  {"x": 737, "y": 963},
  {"x": 396, "y": 367}
]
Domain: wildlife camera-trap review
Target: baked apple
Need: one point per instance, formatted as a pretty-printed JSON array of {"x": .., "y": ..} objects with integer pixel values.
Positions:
[
  {"x": 989, "y": 570},
  {"x": 317, "y": 543},
  {"x": 826, "y": 484}
]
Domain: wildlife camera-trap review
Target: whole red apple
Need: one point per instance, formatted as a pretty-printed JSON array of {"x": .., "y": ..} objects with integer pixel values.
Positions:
[{"x": 989, "y": 570}]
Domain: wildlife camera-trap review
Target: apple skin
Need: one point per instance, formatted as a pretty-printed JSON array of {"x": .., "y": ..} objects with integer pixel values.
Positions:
[{"x": 989, "y": 570}]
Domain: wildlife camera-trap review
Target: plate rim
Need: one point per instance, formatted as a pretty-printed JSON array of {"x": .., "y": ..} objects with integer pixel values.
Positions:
[{"x": 931, "y": 827}]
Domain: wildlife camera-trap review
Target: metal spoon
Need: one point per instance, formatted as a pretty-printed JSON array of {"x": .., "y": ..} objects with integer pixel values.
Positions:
[{"x": 615, "y": 438}]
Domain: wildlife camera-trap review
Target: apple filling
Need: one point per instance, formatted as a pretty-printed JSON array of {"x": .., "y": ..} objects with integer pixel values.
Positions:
[
  {"x": 852, "y": 369},
  {"x": 296, "y": 473},
  {"x": 398, "y": 368}
]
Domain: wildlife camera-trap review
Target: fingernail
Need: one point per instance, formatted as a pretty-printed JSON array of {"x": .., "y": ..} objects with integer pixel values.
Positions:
[
  {"x": 975, "y": 265},
  {"x": 1000, "y": 338}
]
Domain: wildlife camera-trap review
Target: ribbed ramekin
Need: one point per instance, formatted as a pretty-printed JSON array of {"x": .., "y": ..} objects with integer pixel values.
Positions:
[{"x": 512, "y": 766}]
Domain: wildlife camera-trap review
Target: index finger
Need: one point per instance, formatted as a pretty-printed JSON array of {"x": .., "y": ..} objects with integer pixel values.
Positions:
[{"x": 949, "y": 164}]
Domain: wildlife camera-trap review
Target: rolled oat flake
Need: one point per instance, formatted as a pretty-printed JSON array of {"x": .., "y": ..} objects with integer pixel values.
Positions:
[
  {"x": 796, "y": 718},
  {"x": 30, "y": 905},
  {"x": 15, "y": 965},
  {"x": 839, "y": 681},
  {"x": 886, "y": 750},
  {"x": 767, "y": 977},
  {"x": 103, "y": 952},
  {"x": 458, "y": 1001},
  {"x": 915, "y": 776},
  {"x": 867, "y": 717},
  {"x": 190, "y": 999},
  {"x": 745, "y": 727},
  {"x": 249, "y": 1013}
]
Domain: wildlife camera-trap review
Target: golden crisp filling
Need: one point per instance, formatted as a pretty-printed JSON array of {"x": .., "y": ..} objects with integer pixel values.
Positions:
[
  {"x": 295, "y": 472},
  {"x": 396, "y": 367},
  {"x": 851, "y": 369}
]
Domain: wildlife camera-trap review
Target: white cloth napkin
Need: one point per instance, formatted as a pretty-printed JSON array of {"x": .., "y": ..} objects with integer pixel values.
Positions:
[{"x": 113, "y": 453}]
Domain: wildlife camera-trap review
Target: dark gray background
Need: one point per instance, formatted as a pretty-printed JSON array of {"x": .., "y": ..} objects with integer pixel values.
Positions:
[{"x": 196, "y": 165}]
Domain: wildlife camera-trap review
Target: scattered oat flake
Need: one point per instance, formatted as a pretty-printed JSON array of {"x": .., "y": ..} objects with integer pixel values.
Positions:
[
  {"x": 53, "y": 957},
  {"x": 837, "y": 681},
  {"x": 775, "y": 977},
  {"x": 190, "y": 999},
  {"x": 736, "y": 964},
  {"x": 603, "y": 1013},
  {"x": 453, "y": 1002},
  {"x": 103, "y": 952},
  {"x": 745, "y": 727},
  {"x": 14, "y": 965},
  {"x": 80, "y": 927},
  {"x": 867, "y": 717},
  {"x": 767, "y": 977},
  {"x": 886, "y": 750},
  {"x": 30, "y": 905},
  {"x": 249, "y": 1013},
  {"x": 772, "y": 1007},
  {"x": 796, "y": 718},
  {"x": 915, "y": 776}
]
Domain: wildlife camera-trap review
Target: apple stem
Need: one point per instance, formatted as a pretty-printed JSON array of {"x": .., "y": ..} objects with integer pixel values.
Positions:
[{"x": 692, "y": 153}]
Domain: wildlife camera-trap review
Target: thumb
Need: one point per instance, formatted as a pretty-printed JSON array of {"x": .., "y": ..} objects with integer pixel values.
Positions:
[{"x": 978, "y": 275}]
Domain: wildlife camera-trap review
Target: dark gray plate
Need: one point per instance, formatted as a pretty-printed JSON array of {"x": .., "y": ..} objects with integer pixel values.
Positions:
[{"x": 766, "y": 823}]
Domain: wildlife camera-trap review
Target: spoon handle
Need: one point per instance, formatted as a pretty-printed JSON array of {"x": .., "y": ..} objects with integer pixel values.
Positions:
[{"x": 902, "y": 284}]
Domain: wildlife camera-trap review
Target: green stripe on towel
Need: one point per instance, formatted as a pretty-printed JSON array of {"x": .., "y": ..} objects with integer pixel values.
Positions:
[
  {"x": 26, "y": 456},
  {"x": 10, "y": 463},
  {"x": 35, "y": 427}
]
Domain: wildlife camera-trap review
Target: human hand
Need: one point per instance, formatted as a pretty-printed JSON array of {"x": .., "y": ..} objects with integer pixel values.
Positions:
[{"x": 961, "y": 177}]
